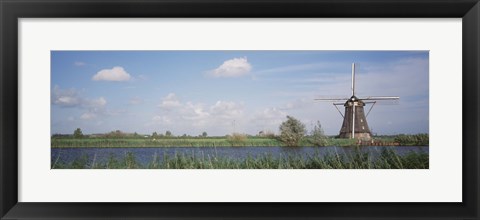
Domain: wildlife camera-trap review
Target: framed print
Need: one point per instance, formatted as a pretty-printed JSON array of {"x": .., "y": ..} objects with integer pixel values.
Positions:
[{"x": 123, "y": 109}]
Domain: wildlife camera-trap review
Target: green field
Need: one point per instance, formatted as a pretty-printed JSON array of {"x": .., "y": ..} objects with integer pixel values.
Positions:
[
  {"x": 225, "y": 141},
  {"x": 183, "y": 142},
  {"x": 388, "y": 159},
  {"x": 172, "y": 142}
]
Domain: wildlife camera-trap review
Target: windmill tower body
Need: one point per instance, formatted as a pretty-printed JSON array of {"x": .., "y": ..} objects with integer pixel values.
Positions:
[
  {"x": 355, "y": 127},
  {"x": 354, "y": 120}
]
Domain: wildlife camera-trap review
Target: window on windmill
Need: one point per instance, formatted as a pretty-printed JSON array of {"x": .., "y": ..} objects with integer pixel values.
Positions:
[
  {"x": 363, "y": 127},
  {"x": 361, "y": 120}
]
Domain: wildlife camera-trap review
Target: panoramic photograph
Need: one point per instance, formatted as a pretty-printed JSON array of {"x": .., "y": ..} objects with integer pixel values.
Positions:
[{"x": 239, "y": 109}]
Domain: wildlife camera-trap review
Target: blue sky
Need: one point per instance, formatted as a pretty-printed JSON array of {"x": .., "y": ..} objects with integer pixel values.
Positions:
[{"x": 220, "y": 92}]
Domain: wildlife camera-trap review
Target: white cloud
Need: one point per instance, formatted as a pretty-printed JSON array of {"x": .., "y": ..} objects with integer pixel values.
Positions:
[
  {"x": 194, "y": 112},
  {"x": 169, "y": 102},
  {"x": 199, "y": 117},
  {"x": 117, "y": 74},
  {"x": 235, "y": 67},
  {"x": 226, "y": 110},
  {"x": 95, "y": 103},
  {"x": 270, "y": 114},
  {"x": 268, "y": 119},
  {"x": 65, "y": 98},
  {"x": 70, "y": 98},
  {"x": 66, "y": 101}
]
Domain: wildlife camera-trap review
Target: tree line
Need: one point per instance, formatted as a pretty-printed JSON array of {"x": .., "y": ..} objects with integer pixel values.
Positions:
[
  {"x": 78, "y": 133},
  {"x": 291, "y": 133}
]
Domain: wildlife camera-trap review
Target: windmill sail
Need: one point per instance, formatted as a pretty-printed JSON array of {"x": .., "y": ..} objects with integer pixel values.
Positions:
[
  {"x": 381, "y": 98},
  {"x": 353, "y": 79},
  {"x": 331, "y": 99}
]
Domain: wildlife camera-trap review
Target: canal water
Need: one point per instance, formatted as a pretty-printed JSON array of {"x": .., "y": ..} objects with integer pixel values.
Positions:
[{"x": 145, "y": 155}]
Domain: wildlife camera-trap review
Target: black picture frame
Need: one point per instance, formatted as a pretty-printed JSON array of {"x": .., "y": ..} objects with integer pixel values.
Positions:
[{"x": 12, "y": 10}]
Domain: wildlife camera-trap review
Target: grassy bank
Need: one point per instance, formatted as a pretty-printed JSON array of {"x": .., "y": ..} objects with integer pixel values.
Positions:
[
  {"x": 403, "y": 140},
  {"x": 189, "y": 142},
  {"x": 166, "y": 142},
  {"x": 387, "y": 159}
]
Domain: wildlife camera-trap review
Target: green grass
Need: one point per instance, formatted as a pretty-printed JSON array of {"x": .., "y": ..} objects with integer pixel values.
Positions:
[
  {"x": 185, "y": 142},
  {"x": 412, "y": 140},
  {"x": 387, "y": 159},
  {"x": 172, "y": 142}
]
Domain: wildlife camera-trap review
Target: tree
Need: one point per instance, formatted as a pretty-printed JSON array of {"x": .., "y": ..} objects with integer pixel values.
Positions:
[
  {"x": 115, "y": 134},
  {"x": 168, "y": 133},
  {"x": 291, "y": 131},
  {"x": 204, "y": 134},
  {"x": 78, "y": 133},
  {"x": 154, "y": 134},
  {"x": 318, "y": 136}
]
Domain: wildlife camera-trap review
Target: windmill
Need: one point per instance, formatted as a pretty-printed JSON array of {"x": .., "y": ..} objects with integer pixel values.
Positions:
[{"x": 354, "y": 120}]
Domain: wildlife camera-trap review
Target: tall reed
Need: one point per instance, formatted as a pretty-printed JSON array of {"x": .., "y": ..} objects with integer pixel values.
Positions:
[{"x": 386, "y": 159}]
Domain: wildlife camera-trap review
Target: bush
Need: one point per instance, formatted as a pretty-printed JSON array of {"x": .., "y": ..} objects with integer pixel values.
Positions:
[
  {"x": 237, "y": 139},
  {"x": 318, "y": 137},
  {"x": 291, "y": 132}
]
